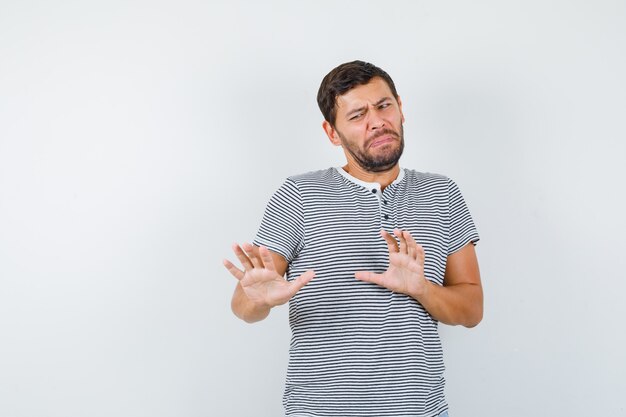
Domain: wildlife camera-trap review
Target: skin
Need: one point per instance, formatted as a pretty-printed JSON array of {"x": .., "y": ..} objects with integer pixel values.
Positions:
[
  {"x": 362, "y": 114},
  {"x": 261, "y": 285},
  {"x": 368, "y": 124}
]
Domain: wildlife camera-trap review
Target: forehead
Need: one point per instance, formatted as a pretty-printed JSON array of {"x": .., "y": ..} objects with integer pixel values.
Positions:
[{"x": 361, "y": 95}]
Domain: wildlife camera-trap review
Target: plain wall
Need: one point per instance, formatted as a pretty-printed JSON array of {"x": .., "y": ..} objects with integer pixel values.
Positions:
[{"x": 139, "y": 140}]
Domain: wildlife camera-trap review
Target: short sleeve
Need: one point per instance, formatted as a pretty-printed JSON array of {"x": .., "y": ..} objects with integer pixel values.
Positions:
[
  {"x": 462, "y": 228},
  {"x": 282, "y": 227}
]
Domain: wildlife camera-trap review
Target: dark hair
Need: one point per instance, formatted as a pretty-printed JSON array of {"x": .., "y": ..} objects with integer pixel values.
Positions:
[{"x": 344, "y": 78}]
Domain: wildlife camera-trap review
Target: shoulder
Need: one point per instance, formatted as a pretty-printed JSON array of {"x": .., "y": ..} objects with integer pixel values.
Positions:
[
  {"x": 322, "y": 175},
  {"x": 296, "y": 187},
  {"x": 425, "y": 179},
  {"x": 314, "y": 181},
  {"x": 428, "y": 183}
]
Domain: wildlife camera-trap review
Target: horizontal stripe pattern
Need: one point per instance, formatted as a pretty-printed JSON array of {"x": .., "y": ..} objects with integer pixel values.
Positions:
[{"x": 358, "y": 349}]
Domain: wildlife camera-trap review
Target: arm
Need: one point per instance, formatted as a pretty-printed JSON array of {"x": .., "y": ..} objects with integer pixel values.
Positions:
[
  {"x": 458, "y": 301},
  {"x": 261, "y": 284}
]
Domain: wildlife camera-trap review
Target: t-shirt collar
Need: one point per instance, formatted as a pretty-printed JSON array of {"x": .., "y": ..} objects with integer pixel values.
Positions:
[{"x": 368, "y": 185}]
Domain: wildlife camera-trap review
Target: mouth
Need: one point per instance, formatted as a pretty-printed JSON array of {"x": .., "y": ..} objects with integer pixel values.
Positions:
[{"x": 382, "y": 140}]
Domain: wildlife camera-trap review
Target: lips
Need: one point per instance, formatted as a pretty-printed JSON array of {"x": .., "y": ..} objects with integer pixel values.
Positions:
[
  {"x": 382, "y": 141},
  {"x": 383, "y": 138}
]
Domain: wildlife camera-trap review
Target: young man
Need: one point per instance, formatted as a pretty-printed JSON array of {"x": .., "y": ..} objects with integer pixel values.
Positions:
[{"x": 375, "y": 257}]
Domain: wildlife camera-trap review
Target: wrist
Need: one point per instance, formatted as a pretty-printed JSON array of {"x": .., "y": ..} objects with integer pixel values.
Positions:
[{"x": 421, "y": 291}]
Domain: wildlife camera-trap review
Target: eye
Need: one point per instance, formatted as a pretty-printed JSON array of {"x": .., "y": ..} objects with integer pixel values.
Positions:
[
  {"x": 355, "y": 116},
  {"x": 384, "y": 105}
]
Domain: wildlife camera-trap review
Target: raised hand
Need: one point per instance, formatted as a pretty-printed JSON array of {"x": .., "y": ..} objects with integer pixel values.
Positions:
[
  {"x": 405, "y": 273},
  {"x": 262, "y": 284}
]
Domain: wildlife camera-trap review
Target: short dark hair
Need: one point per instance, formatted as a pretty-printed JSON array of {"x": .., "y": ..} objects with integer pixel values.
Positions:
[{"x": 344, "y": 78}]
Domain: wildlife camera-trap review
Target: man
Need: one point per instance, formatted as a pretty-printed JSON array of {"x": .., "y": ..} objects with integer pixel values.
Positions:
[{"x": 375, "y": 257}]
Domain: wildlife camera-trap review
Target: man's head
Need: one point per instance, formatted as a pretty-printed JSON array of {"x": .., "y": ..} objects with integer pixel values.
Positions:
[
  {"x": 363, "y": 114},
  {"x": 344, "y": 78}
]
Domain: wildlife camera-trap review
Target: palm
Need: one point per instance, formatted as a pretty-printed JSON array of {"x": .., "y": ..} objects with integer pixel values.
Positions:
[
  {"x": 405, "y": 273},
  {"x": 400, "y": 276},
  {"x": 265, "y": 286},
  {"x": 259, "y": 279}
]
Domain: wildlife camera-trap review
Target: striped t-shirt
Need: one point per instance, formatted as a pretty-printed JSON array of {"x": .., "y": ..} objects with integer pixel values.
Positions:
[{"x": 358, "y": 349}]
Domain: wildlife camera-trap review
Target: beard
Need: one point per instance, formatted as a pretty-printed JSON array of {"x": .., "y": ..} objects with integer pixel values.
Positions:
[{"x": 386, "y": 158}]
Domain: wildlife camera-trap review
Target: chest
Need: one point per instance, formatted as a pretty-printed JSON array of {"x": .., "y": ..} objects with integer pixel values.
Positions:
[{"x": 346, "y": 229}]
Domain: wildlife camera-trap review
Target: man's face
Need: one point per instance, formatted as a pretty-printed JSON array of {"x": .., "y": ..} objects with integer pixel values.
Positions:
[{"x": 369, "y": 126}]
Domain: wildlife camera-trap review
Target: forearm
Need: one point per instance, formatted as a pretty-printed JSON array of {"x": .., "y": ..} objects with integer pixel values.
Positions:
[
  {"x": 453, "y": 304},
  {"x": 245, "y": 309}
]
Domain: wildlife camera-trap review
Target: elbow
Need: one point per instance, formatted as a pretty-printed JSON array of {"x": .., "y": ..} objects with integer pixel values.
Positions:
[
  {"x": 235, "y": 307},
  {"x": 474, "y": 318},
  {"x": 472, "y": 324},
  {"x": 247, "y": 313},
  {"x": 474, "y": 313},
  {"x": 240, "y": 314}
]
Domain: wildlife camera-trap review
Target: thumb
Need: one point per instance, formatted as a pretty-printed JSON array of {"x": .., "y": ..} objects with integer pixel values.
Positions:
[
  {"x": 302, "y": 280},
  {"x": 369, "y": 277}
]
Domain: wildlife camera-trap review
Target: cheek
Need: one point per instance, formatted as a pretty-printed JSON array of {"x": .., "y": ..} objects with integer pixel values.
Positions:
[
  {"x": 397, "y": 119},
  {"x": 354, "y": 133},
  {"x": 357, "y": 136}
]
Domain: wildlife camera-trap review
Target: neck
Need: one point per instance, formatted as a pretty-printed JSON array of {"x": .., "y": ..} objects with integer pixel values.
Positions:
[{"x": 384, "y": 178}]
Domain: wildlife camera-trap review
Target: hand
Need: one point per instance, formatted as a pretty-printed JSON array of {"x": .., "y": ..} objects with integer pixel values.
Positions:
[
  {"x": 406, "y": 266},
  {"x": 260, "y": 281}
]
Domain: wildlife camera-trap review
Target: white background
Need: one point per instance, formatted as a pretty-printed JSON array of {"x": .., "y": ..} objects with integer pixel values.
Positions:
[{"x": 138, "y": 140}]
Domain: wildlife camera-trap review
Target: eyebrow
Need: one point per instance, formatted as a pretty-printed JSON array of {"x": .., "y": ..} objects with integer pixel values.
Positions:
[{"x": 378, "y": 103}]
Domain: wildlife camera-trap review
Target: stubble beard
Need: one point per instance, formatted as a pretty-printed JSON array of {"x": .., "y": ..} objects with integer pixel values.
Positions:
[{"x": 379, "y": 163}]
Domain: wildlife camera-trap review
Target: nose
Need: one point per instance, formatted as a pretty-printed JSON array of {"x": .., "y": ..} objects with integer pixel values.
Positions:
[{"x": 375, "y": 120}]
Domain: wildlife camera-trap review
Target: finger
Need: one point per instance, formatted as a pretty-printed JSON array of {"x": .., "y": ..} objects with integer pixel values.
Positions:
[
  {"x": 234, "y": 271},
  {"x": 243, "y": 258},
  {"x": 369, "y": 277},
  {"x": 267, "y": 259},
  {"x": 392, "y": 244},
  {"x": 420, "y": 254},
  {"x": 410, "y": 244},
  {"x": 253, "y": 253},
  {"x": 398, "y": 234},
  {"x": 297, "y": 284},
  {"x": 417, "y": 249}
]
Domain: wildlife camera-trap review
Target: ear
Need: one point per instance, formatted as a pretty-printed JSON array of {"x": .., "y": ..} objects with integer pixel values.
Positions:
[
  {"x": 400, "y": 107},
  {"x": 331, "y": 132}
]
